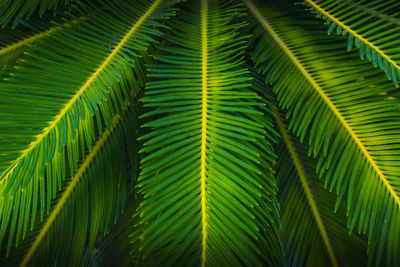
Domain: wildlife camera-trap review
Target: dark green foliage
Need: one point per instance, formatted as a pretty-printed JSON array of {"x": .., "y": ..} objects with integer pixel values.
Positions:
[
  {"x": 199, "y": 179},
  {"x": 340, "y": 104},
  {"x": 301, "y": 233},
  {"x": 14, "y": 11}
]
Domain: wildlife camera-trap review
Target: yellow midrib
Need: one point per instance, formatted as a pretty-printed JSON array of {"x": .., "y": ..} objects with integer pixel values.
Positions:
[
  {"x": 26, "y": 41},
  {"x": 304, "y": 182},
  {"x": 350, "y": 31},
  {"x": 67, "y": 107},
  {"x": 74, "y": 181},
  {"x": 34, "y": 37},
  {"x": 321, "y": 92},
  {"x": 204, "y": 58}
]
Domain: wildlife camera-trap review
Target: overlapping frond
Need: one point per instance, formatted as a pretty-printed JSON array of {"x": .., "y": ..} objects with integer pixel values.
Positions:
[
  {"x": 115, "y": 248},
  {"x": 313, "y": 234},
  {"x": 16, "y": 10},
  {"x": 207, "y": 182},
  {"x": 60, "y": 95},
  {"x": 91, "y": 200},
  {"x": 371, "y": 26},
  {"x": 13, "y": 42},
  {"x": 341, "y": 105}
]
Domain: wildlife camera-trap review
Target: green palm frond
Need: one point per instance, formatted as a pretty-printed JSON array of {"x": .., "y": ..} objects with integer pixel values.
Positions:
[
  {"x": 207, "y": 182},
  {"x": 371, "y": 26},
  {"x": 90, "y": 202},
  {"x": 63, "y": 92},
  {"x": 309, "y": 225},
  {"x": 114, "y": 249},
  {"x": 338, "y": 102},
  {"x": 16, "y": 10},
  {"x": 97, "y": 171},
  {"x": 13, "y": 42}
]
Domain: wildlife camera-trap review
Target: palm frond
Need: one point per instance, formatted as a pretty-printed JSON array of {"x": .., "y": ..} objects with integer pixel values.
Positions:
[
  {"x": 116, "y": 246},
  {"x": 207, "y": 182},
  {"x": 63, "y": 91},
  {"x": 371, "y": 26},
  {"x": 16, "y": 10},
  {"x": 312, "y": 233},
  {"x": 91, "y": 200},
  {"x": 345, "y": 109},
  {"x": 13, "y": 42}
]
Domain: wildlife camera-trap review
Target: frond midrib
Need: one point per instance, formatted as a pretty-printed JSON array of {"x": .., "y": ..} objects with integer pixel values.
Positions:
[
  {"x": 34, "y": 37},
  {"x": 68, "y": 106},
  {"x": 305, "y": 185},
  {"x": 351, "y": 31},
  {"x": 263, "y": 21},
  {"x": 26, "y": 41},
  {"x": 204, "y": 58},
  {"x": 71, "y": 186}
]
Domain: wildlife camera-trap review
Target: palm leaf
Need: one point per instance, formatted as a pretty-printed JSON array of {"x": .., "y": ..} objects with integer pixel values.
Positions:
[
  {"x": 339, "y": 103},
  {"x": 78, "y": 79},
  {"x": 313, "y": 234},
  {"x": 114, "y": 249},
  {"x": 91, "y": 200},
  {"x": 371, "y": 26},
  {"x": 16, "y": 10},
  {"x": 13, "y": 42},
  {"x": 209, "y": 193}
]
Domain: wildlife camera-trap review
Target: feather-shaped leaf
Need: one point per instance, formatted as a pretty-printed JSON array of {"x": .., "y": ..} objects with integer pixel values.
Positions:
[
  {"x": 209, "y": 193},
  {"x": 13, "y": 42},
  {"x": 371, "y": 26},
  {"x": 91, "y": 201},
  {"x": 60, "y": 94},
  {"x": 312, "y": 233},
  {"x": 340, "y": 104}
]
